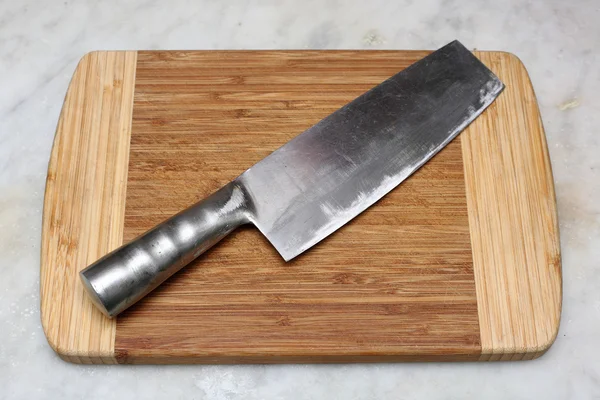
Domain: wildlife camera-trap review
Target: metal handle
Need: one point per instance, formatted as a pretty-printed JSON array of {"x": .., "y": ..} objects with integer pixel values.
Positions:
[{"x": 124, "y": 276}]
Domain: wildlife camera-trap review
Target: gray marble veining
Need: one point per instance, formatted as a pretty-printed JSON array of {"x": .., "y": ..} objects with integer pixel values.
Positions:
[{"x": 40, "y": 44}]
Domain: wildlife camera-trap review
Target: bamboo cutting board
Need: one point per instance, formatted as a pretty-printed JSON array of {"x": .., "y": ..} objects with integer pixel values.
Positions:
[{"x": 460, "y": 262}]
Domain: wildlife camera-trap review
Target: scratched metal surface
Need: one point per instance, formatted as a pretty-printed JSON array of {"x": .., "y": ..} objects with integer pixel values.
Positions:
[{"x": 329, "y": 174}]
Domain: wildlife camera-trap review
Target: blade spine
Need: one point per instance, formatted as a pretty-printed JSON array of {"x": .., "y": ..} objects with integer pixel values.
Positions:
[{"x": 351, "y": 102}]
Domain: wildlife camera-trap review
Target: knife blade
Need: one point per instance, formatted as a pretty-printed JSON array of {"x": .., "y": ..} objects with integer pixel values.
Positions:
[{"x": 311, "y": 186}]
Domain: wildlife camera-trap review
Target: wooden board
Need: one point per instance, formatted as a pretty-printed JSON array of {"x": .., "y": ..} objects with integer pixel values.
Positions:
[{"x": 460, "y": 262}]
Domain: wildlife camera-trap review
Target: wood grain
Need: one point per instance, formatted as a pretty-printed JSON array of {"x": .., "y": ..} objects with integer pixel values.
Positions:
[
  {"x": 84, "y": 202},
  {"x": 395, "y": 284},
  {"x": 512, "y": 213},
  {"x": 460, "y": 262}
]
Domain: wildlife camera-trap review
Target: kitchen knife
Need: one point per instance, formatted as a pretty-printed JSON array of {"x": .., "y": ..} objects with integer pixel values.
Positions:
[{"x": 317, "y": 182}]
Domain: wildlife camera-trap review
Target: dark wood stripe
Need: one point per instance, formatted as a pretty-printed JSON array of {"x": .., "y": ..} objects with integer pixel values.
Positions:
[{"x": 395, "y": 284}]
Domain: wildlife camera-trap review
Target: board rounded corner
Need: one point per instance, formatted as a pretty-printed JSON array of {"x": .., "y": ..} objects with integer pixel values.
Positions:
[
  {"x": 74, "y": 355},
  {"x": 86, "y": 58},
  {"x": 512, "y": 57},
  {"x": 544, "y": 347},
  {"x": 548, "y": 342}
]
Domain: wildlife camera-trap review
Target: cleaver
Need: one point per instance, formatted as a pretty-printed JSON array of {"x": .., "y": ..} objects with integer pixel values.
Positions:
[{"x": 317, "y": 182}]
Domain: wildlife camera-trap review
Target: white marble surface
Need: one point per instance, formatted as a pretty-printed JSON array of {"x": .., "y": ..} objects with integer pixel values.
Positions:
[{"x": 40, "y": 44}]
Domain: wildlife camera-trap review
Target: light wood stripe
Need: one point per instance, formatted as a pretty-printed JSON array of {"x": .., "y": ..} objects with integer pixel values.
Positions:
[
  {"x": 85, "y": 202},
  {"x": 512, "y": 218}
]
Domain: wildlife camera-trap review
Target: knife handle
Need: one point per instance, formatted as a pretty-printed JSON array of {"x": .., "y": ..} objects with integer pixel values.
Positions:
[{"x": 124, "y": 276}]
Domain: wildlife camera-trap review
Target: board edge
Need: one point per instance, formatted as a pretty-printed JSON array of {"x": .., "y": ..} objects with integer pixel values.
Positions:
[
  {"x": 115, "y": 71},
  {"x": 535, "y": 335}
]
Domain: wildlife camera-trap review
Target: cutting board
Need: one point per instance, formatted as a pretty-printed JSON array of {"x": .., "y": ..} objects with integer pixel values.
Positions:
[{"x": 460, "y": 262}]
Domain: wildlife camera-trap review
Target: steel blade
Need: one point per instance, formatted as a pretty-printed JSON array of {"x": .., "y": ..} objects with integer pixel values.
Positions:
[{"x": 326, "y": 176}]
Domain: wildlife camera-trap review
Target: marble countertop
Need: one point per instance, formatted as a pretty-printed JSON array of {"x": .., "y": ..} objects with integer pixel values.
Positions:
[{"x": 40, "y": 44}]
